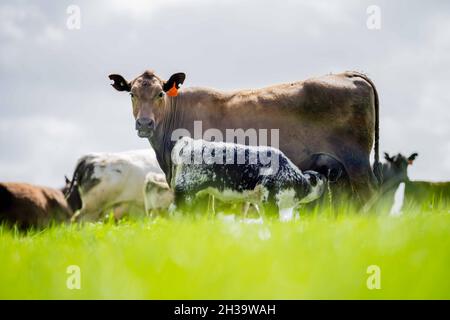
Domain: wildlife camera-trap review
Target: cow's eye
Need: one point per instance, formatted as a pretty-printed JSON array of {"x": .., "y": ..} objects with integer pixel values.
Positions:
[
  {"x": 161, "y": 94},
  {"x": 131, "y": 94}
]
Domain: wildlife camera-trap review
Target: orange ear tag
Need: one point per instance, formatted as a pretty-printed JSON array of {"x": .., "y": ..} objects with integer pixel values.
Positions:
[{"x": 173, "y": 92}]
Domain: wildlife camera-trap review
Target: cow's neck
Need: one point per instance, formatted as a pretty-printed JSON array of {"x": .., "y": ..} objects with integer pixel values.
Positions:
[{"x": 161, "y": 140}]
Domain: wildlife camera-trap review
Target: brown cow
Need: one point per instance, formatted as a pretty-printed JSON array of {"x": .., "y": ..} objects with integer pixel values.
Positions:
[
  {"x": 334, "y": 114},
  {"x": 29, "y": 206}
]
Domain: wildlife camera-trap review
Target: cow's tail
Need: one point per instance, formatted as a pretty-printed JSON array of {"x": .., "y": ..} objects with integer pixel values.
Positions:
[{"x": 377, "y": 168}]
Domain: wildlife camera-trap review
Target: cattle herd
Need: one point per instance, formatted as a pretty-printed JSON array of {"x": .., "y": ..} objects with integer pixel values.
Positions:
[{"x": 326, "y": 126}]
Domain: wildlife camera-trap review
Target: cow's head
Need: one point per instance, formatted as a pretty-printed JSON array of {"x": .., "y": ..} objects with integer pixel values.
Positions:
[
  {"x": 397, "y": 167},
  {"x": 149, "y": 95}
]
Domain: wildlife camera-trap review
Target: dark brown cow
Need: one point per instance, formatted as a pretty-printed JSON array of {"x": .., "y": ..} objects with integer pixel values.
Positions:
[
  {"x": 29, "y": 206},
  {"x": 334, "y": 114}
]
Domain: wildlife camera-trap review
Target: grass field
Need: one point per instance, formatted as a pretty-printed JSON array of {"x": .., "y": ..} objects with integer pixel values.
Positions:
[{"x": 323, "y": 254}]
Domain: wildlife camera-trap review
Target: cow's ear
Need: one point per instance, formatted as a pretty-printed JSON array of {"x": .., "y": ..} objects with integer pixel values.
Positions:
[
  {"x": 120, "y": 83},
  {"x": 67, "y": 180},
  {"x": 412, "y": 157},
  {"x": 387, "y": 157},
  {"x": 172, "y": 85}
]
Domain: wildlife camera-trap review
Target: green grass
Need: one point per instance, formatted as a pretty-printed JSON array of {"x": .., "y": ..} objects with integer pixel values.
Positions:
[{"x": 322, "y": 255}]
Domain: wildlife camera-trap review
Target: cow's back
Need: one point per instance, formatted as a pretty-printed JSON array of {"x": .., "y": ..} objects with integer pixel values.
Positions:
[
  {"x": 32, "y": 206},
  {"x": 116, "y": 169},
  {"x": 428, "y": 192},
  {"x": 333, "y": 114}
]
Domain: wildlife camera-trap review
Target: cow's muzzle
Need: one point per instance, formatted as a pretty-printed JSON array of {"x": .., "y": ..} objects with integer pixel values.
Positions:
[{"x": 145, "y": 127}]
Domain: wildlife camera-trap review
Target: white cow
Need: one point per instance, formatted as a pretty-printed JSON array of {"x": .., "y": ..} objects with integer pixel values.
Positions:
[{"x": 110, "y": 181}]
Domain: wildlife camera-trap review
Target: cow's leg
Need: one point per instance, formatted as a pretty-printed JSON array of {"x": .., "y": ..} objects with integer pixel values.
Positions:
[
  {"x": 151, "y": 212},
  {"x": 245, "y": 209},
  {"x": 131, "y": 209},
  {"x": 120, "y": 211},
  {"x": 266, "y": 207},
  {"x": 85, "y": 215},
  {"x": 258, "y": 210},
  {"x": 211, "y": 206},
  {"x": 75, "y": 217},
  {"x": 180, "y": 200},
  {"x": 286, "y": 214},
  {"x": 148, "y": 211},
  {"x": 360, "y": 175}
]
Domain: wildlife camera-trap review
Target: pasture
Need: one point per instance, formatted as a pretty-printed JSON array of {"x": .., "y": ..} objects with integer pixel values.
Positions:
[{"x": 323, "y": 254}]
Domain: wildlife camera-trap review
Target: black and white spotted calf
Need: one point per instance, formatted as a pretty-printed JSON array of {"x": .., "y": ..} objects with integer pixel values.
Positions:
[{"x": 259, "y": 175}]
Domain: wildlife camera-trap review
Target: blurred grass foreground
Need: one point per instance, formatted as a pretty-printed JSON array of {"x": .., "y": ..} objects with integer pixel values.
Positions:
[{"x": 321, "y": 255}]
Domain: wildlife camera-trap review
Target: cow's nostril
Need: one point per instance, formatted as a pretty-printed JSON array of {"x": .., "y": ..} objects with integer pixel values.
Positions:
[{"x": 145, "y": 124}]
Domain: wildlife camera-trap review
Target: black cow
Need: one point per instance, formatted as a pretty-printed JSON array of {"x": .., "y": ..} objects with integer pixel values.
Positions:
[
  {"x": 238, "y": 173},
  {"x": 395, "y": 171}
]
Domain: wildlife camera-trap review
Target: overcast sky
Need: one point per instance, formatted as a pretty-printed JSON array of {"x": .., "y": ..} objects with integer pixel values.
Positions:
[{"x": 56, "y": 103}]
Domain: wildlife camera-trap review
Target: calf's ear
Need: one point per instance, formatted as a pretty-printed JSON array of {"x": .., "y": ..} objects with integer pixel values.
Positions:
[
  {"x": 387, "y": 157},
  {"x": 172, "y": 85},
  {"x": 412, "y": 157},
  {"x": 120, "y": 84}
]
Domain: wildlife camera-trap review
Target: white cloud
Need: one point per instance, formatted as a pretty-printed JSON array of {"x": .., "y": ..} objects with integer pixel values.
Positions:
[
  {"x": 49, "y": 34},
  {"x": 41, "y": 147},
  {"x": 10, "y": 19},
  {"x": 22, "y": 26},
  {"x": 26, "y": 22},
  {"x": 143, "y": 9}
]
